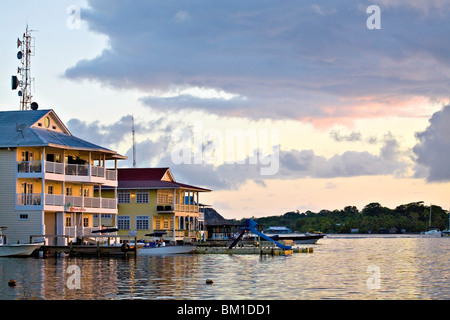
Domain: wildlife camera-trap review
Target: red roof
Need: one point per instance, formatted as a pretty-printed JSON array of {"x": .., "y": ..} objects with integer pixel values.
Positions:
[
  {"x": 149, "y": 178},
  {"x": 135, "y": 174}
]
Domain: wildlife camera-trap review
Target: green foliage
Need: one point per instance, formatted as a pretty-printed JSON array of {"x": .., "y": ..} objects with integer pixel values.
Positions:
[{"x": 373, "y": 218}]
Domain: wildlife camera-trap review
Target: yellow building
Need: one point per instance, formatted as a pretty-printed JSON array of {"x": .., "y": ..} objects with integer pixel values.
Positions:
[
  {"x": 150, "y": 200},
  {"x": 48, "y": 177}
]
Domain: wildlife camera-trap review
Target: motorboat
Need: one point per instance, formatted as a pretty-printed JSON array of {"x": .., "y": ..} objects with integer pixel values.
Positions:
[
  {"x": 166, "y": 250},
  {"x": 284, "y": 233},
  {"x": 16, "y": 250},
  {"x": 158, "y": 247},
  {"x": 432, "y": 232}
]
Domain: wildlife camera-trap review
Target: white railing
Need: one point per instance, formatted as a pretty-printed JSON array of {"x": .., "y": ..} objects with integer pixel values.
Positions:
[
  {"x": 187, "y": 207},
  {"x": 73, "y": 201},
  {"x": 111, "y": 174},
  {"x": 54, "y": 199},
  {"x": 29, "y": 166},
  {"x": 54, "y": 167},
  {"x": 68, "y": 169},
  {"x": 29, "y": 199},
  {"x": 97, "y": 171},
  {"x": 34, "y": 199},
  {"x": 109, "y": 203},
  {"x": 91, "y": 202},
  {"x": 77, "y": 169}
]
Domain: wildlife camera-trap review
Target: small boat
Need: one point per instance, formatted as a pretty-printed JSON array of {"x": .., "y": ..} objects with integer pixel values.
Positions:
[
  {"x": 283, "y": 233},
  {"x": 432, "y": 232},
  {"x": 157, "y": 247},
  {"x": 16, "y": 250},
  {"x": 166, "y": 250}
]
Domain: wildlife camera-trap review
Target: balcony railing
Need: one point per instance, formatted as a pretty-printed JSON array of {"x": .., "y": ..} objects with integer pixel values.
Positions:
[
  {"x": 68, "y": 169},
  {"x": 29, "y": 166},
  {"x": 77, "y": 169},
  {"x": 29, "y": 199},
  {"x": 34, "y": 199},
  {"x": 54, "y": 167},
  {"x": 187, "y": 207}
]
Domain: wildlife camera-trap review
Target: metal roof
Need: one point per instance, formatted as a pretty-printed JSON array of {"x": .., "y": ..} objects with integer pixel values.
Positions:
[{"x": 16, "y": 130}]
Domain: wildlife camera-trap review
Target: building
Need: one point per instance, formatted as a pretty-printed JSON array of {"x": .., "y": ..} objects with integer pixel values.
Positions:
[
  {"x": 217, "y": 227},
  {"x": 150, "y": 200},
  {"x": 48, "y": 177}
]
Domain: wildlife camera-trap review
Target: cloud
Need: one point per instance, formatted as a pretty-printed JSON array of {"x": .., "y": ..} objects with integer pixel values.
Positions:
[
  {"x": 294, "y": 164},
  {"x": 433, "y": 148},
  {"x": 157, "y": 143},
  {"x": 289, "y": 59}
]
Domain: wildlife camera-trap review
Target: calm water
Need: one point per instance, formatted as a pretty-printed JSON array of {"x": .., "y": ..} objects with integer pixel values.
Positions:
[{"x": 410, "y": 267}]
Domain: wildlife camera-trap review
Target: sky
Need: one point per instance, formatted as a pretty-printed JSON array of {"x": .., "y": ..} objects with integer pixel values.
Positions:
[{"x": 276, "y": 106}]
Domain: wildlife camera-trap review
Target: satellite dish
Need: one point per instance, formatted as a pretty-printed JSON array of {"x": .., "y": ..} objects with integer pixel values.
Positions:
[
  {"x": 19, "y": 55},
  {"x": 14, "y": 82},
  {"x": 19, "y": 93},
  {"x": 34, "y": 106}
]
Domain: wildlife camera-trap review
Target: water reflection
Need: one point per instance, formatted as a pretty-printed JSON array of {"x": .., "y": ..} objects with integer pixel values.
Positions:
[{"x": 410, "y": 268}]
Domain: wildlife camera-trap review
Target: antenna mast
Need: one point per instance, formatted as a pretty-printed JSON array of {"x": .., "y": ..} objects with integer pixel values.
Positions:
[
  {"x": 134, "y": 142},
  {"x": 26, "y": 50}
]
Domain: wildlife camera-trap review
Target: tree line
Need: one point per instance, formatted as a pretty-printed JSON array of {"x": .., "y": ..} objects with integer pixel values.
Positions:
[{"x": 373, "y": 218}]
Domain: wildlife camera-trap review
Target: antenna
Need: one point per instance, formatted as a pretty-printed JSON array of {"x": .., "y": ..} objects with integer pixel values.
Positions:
[
  {"x": 134, "y": 142},
  {"x": 26, "y": 50}
]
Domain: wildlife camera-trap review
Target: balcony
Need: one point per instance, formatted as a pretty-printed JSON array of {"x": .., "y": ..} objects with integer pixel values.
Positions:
[
  {"x": 66, "y": 172},
  {"x": 59, "y": 202},
  {"x": 168, "y": 208}
]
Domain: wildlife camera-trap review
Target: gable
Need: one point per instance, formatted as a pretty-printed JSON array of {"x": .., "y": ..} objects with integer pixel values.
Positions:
[{"x": 51, "y": 121}]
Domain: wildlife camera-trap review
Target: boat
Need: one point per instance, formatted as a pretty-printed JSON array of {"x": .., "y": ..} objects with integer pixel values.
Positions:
[
  {"x": 16, "y": 250},
  {"x": 157, "y": 246},
  {"x": 166, "y": 250},
  {"x": 284, "y": 233},
  {"x": 432, "y": 232}
]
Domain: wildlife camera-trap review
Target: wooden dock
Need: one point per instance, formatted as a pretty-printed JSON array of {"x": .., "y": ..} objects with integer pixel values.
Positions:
[{"x": 98, "y": 248}]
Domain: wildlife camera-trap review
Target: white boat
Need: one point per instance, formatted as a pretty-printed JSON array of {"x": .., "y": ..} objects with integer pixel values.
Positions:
[
  {"x": 157, "y": 246},
  {"x": 16, "y": 250},
  {"x": 166, "y": 250},
  {"x": 432, "y": 232},
  {"x": 283, "y": 233}
]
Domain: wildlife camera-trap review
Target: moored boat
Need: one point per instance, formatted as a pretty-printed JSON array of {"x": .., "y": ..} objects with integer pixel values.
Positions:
[
  {"x": 283, "y": 233},
  {"x": 166, "y": 250},
  {"x": 158, "y": 247},
  {"x": 16, "y": 250}
]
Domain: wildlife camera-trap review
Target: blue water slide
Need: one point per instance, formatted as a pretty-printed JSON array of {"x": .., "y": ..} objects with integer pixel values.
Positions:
[
  {"x": 252, "y": 228},
  {"x": 250, "y": 225}
]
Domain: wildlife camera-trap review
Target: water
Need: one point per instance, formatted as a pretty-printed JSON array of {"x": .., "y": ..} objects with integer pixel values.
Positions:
[{"x": 410, "y": 267}]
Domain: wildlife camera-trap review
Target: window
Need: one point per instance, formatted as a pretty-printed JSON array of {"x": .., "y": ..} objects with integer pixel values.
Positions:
[
  {"x": 157, "y": 223},
  {"x": 142, "y": 196},
  {"x": 86, "y": 192},
  {"x": 165, "y": 197},
  {"x": 68, "y": 191},
  {"x": 123, "y": 222},
  {"x": 49, "y": 189},
  {"x": 166, "y": 223},
  {"x": 142, "y": 223},
  {"x": 123, "y": 196},
  {"x": 68, "y": 221},
  {"x": 85, "y": 222},
  {"x": 23, "y": 216}
]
